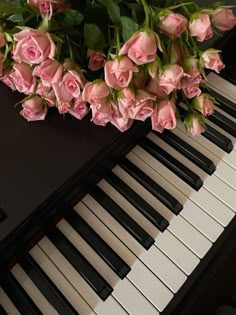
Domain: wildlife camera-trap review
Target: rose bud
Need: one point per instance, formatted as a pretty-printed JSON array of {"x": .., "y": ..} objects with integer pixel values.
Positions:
[
  {"x": 172, "y": 24},
  {"x": 204, "y": 104},
  {"x": 170, "y": 79},
  {"x": 34, "y": 109},
  {"x": 194, "y": 124},
  {"x": 96, "y": 60},
  {"x": 211, "y": 60},
  {"x": 201, "y": 27},
  {"x": 224, "y": 19},
  {"x": 163, "y": 116}
]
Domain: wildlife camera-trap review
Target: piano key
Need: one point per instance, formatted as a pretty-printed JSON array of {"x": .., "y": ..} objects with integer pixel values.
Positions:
[
  {"x": 98, "y": 244},
  {"x": 223, "y": 122},
  {"x": 223, "y": 103},
  {"x": 46, "y": 286},
  {"x": 18, "y": 296},
  {"x": 212, "y": 183},
  {"x": 228, "y": 158},
  {"x": 193, "y": 155},
  {"x": 153, "y": 258},
  {"x": 2, "y": 311},
  {"x": 191, "y": 212},
  {"x": 228, "y": 116},
  {"x": 120, "y": 215},
  {"x": 160, "y": 193},
  {"x": 139, "y": 203},
  {"x": 65, "y": 287},
  {"x": 31, "y": 289},
  {"x": 93, "y": 278},
  {"x": 223, "y": 170},
  {"x": 171, "y": 163},
  {"x": 79, "y": 284},
  {"x": 7, "y": 304}
]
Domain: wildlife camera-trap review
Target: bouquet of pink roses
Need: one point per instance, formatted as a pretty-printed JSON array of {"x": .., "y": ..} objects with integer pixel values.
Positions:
[{"x": 115, "y": 60}]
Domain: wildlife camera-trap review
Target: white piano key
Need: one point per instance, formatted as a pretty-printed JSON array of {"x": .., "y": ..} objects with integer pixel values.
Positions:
[
  {"x": 60, "y": 281},
  {"x": 223, "y": 87},
  {"x": 223, "y": 170},
  {"x": 212, "y": 183},
  {"x": 224, "y": 113},
  {"x": 79, "y": 283},
  {"x": 219, "y": 211},
  {"x": 7, "y": 304},
  {"x": 31, "y": 289},
  {"x": 229, "y": 158}
]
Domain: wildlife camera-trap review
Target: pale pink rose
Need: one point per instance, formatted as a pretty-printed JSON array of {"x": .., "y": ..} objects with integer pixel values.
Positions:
[
  {"x": 119, "y": 72},
  {"x": 126, "y": 100},
  {"x": 191, "y": 91},
  {"x": 2, "y": 39},
  {"x": 33, "y": 46},
  {"x": 190, "y": 85},
  {"x": 34, "y": 109},
  {"x": 173, "y": 24},
  {"x": 121, "y": 122},
  {"x": 47, "y": 93},
  {"x": 205, "y": 104},
  {"x": 6, "y": 79},
  {"x": 73, "y": 82},
  {"x": 211, "y": 60},
  {"x": 196, "y": 129},
  {"x": 143, "y": 107},
  {"x": 154, "y": 88},
  {"x": 163, "y": 116},
  {"x": 141, "y": 48},
  {"x": 96, "y": 94},
  {"x": 96, "y": 60},
  {"x": 79, "y": 109},
  {"x": 23, "y": 79},
  {"x": 63, "y": 97},
  {"x": 1, "y": 63},
  {"x": 50, "y": 71},
  {"x": 99, "y": 118},
  {"x": 170, "y": 79},
  {"x": 201, "y": 27},
  {"x": 224, "y": 19}
]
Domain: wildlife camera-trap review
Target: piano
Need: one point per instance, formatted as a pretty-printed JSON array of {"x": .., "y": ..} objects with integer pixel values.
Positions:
[{"x": 93, "y": 221}]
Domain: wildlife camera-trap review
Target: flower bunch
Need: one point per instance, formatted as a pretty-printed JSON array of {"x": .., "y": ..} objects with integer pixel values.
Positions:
[{"x": 120, "y": 61}]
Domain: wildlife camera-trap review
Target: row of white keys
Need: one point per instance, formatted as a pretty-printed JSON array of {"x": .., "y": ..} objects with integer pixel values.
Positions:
[
  {"x": 7, "y": 304},
  {"x": 140, "y": 275},
  {"x": 212, "y": 183},
  {"x": 223, "y": 170}
]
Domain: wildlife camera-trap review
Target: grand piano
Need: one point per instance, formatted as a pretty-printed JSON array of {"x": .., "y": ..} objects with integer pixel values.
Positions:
[{"x": 93, "y": 221}]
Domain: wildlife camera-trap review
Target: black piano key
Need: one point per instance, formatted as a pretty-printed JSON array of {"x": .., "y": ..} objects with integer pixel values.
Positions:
[
  {"x": 2, "y": 215},
  {"x": 225, "y": 104},
  {"x": 138, "y": 202},
  {"x": 2, "y": 311},
  {"x": 188, "y": 151},
  {"x": 18, "y": 296},
  {"x": 160, "y": 193},
  {"x": 80, "y": 263},
  {"x": 116, "y": 263},
  {"x": 218, "y": 139},
  {"x": 223, "y": 122},
  {"x": 122, "y": 217},
  {"x": 46, "y": 286},
  {"x": 172, "y": 164}
]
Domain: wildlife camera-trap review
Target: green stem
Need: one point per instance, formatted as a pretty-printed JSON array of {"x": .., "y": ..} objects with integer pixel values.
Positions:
[
  {"x": 147, "y": 12},
  {"x": 117, "y": 37}
]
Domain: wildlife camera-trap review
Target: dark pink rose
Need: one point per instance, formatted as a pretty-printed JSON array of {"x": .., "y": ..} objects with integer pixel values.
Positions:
[
  {"x": 2, "y": 39},
  {"x": 196, "y": 128},
  {"x": 201, "y": 27},
  {"x": 97, "y": 94},
  {"x": 205, "y": 104},
  {"x": 173, "y": 24},
  {"x": 79, "y": 109},
  {"x": 34, "y": 109},
  {"x": 33, "y": 46},
  {"x": 224, "y": 19},
  {"x": 211, "y": 60},
  {"x": 170, "y": 79},
  {"x": 141, "y": 48},
  {"x": 96, "y": 60},
  {"x": 50, "y": 71},
  {"x": 119, "y": 72},
  {"x": 99, "y": 118},
  {"x": 163, "y": 116},
  {"x": 23, "y": 79}
]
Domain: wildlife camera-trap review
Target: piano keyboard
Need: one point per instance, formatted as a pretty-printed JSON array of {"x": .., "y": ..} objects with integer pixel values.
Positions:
[{"x": 130, "y": 244}]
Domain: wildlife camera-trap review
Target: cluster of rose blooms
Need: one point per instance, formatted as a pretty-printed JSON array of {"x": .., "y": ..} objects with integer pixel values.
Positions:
[{"x": 135, "y": 84}]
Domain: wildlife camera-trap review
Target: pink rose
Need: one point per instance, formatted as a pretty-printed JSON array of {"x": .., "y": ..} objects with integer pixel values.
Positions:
[
  {"x": 6, "y": 79},
  {"x": 50, "y": 71},
  {"x": 201, "y": 27},
  {"x": 126, "y": 100},
  {"x": 23, "y": 79},
  {"x": 96, "y": 94},
  {"x": 2, "y": 39},
  {"x": 143, "y": 107},
  {"x": 45, "y": 7},
  {"x": 211, "y": 60},
  {"x": 79, "y": 109},
  {"x": 191, "y": 66},
  {"x": 196, "y": 128},
  {"x": 119, "y": 73},
  {"x": 163, "y": 116},
  {"x": 96, "y": 60},
  {"x": 154, "y": 88},
  {"x": 205, "y": 104},
  {"x": 191, "y": 91},
  {"x": 190, "y": 85},
  {"x": 170, "y": 79},
  {"x": 34, "y": 109},
  {"x": 141, "y": 48},
  {"x": 224, "y": 19},
  {"x": 121, "y": 122},
  {"x": 99, "y": 118},
  {"x": 47, "y": 93},
  {"x": 73, "y": 82},
  {"x": 33, "y": 46},
  {"x": 1, "y": 63},
  {"x": 173, "y": 24},
  {"x": 63, "y": 97}
]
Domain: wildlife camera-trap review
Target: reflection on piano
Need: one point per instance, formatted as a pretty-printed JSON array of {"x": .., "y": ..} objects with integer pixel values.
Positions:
[{"x": 140, "y": 239}]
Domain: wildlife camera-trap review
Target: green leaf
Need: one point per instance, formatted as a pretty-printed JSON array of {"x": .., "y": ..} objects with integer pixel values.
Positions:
[
  {"x": 16, "y": 18},
  {"x": 94, "y": 37},
  {"x": 10, "y": 9},
  {"x": 113, "y": 10},
  {"x": 72, "y": 17},
  {"x": 129, "y": 27}
]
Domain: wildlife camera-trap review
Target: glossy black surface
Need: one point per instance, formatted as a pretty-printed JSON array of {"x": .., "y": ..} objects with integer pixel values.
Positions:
[
  {"x": 224, "y": 104},
  {"x": 2, "y": 311},
  {"x": 223, "y": 122},
  {"x": 2, "y": 215}
]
